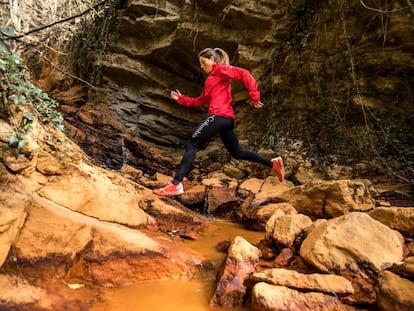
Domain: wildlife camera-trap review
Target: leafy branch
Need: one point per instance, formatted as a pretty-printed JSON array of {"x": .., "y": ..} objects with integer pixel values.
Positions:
[{"x": 18, "y": 94}]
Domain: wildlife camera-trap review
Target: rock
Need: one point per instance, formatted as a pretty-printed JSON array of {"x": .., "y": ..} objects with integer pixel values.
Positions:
[
  {"x": 394, "y": 292},
  {"x": 46, "y": 233},
  {"x": 398, "y": 218},
  {"x": 18, "y": 164},
  {"x": 288, "y": 227},
  {"x": 405, "y": 269},
  {"x": 14, "y": 201},
  {"x": 266, "y": 297},
  {"x": 284, "y": 258},
  {"x": 355, "y": 237},
  {"x": 271, "y": 192},
  {"x": 255, "y": 218},
  {"x": 59, "y": 243},
  {"x": 194, "y": 196},
  {"x": 16, "y": 291},
  {"x": 48, "y": 165},
  {"x": 363, "y": 282},
  {"x": 173, "y": 217},
  {"x": 232, "y": 171},
  {"x": 252, "y": 185},
  {"x": 221, "y": 200},
  {"x": 219, "y": 179},
  {"x": 11, "y": 221},
  {"x": 327, "y": 283},
  {"x": 330, "y": 198},
  {"x": 241, "y": 260},
  {"x": 87, "y": 190}
]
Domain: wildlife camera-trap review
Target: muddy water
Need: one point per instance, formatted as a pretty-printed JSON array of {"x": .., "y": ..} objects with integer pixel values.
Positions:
[{"x": 182, "y": 295}]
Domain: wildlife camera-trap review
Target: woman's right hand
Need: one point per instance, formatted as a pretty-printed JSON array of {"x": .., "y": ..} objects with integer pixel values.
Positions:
[
  {"x": 257, "y": 104},
  {"x": 175, "y": 94}
]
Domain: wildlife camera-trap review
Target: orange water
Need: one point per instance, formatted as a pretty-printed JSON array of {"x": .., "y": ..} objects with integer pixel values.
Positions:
[{"x": 183, "y": 295}]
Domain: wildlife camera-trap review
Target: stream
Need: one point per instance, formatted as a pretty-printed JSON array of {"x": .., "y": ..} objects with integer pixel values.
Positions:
[{"x": 183, "y": 295}]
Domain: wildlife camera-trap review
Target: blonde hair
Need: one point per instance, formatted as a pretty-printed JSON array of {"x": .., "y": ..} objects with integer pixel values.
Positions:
[{"x": 220, "y": 56}]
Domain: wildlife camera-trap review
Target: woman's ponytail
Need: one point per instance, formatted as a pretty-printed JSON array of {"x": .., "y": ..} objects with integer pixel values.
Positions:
[
  {"x": 220, "y": 56},
  {"x": 224, "y": 57}
]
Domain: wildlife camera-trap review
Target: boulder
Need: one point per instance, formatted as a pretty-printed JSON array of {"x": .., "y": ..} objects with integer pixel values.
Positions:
[
  {"x": 327, "y": 283},
  {"x": 255, "y": 218},
  {"x": 398, "y": 218},
  {"x": 394, "y": 292},
  {"x": 221, "y": 200},
  {"x": 57, "y": 242},
  {"x": 405, "y": 269},
  {"x": 330, "y": 199},
  {"x": 241, "y": 260},
  {"x": 88, "y": 190},
  {"x": 266, "y": 297},
  {"x": 352, "y": 238},
  {"x": 286, "y": 228}
]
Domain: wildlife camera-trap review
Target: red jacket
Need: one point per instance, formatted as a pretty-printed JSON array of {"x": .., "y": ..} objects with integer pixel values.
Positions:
[{"x": 217, "y": 90}]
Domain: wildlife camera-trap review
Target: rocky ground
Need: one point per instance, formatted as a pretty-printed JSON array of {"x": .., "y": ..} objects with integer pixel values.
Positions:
[{"x": 327, "y": 245}]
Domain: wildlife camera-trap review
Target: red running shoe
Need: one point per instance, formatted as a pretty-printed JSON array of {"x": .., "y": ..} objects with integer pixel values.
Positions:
[
  {"x": 170, "y": 189},
  {"x": 279, "y": 168}
]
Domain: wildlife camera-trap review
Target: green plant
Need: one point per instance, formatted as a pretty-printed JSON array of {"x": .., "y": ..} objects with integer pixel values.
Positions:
[
  {"x": 16, "y": 140},
  {"x": 19, "y": 95},
  {"x": 271, "y": 138}
]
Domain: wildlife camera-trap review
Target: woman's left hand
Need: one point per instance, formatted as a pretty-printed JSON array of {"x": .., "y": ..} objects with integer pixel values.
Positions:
[
  {"x": 257, "y": 105},
  {"x": 175, "y": 94}
]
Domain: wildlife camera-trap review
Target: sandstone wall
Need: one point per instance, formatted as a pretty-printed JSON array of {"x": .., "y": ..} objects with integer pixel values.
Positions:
[{"x": 336, "y": 76}]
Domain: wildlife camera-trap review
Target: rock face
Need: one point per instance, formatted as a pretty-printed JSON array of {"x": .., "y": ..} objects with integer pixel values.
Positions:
[{"x": 305, "y": 73}]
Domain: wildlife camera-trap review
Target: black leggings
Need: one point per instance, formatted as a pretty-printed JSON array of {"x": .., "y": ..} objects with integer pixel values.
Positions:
[{"x": 206, "y": 131}]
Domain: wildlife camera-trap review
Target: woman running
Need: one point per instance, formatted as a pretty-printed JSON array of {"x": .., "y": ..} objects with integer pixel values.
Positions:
[{"x": 221, "y": 119}]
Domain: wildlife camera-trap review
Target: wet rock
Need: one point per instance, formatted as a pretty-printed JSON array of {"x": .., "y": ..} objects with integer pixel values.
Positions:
[
  {"x": 241, "y": 260},
  {"x": 266, "y": 297},
  {"x": 16, "y": 291},
  {"x": 222, "y": 200},
  {"x": 355, "y": 237},
  {"x": 284, "y": 258},
  {"x": 172, "y": 216},
  {"x": 398, "y": 218},
  {"x": 59, "y": 243},
  {"x": 327, "y": 283},
  {"x": 363, "y": 281},
  {"x": 394, "y": 292}
]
